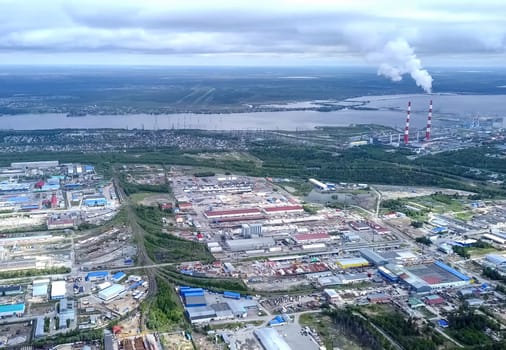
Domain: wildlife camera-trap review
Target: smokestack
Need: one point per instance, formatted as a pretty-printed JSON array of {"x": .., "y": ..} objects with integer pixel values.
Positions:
[
  {"x": 429, "y": 122},
  {"x": 406, "y": 129}
]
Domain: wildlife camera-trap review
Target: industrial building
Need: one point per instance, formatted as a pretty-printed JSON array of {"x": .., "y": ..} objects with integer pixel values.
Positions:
[
  {"x": 433, "y": 300},
  {"x": 427, "y": 278},
  {"x": 192, "y": 297},
  {"x": 378, "y": 298},
  {"x": 96, "y": 276},
  {"x": 94, "y": 201},
  {"x": 373, "y": 257},
  {"x": 251, "y": 230},
  {"x": 66, "y": 313},
  {"x": 58, "y": 290},
  {"x": 390, "y": 272},
  {"x": 347, "y": 263},
  {"x": 217, "y": 214},
  {"x": 318, "y": 185},
  {"x": 7, "y": 310},
  {"x": 40, "y": 288},
  {"x": 238, "y": 245},
  {"x": 200, "y": 314},
  {"x": 10, "y": 290},
  {"x": 232, "y": 295},
  {"x": 118, "y": 277},
  {"x": 331, "y": 295},
  {"x": 35, "y": 165},
  {"x": 305, "y": 238},
  {"x": 287, "y": 209},
  {"x": 359, "y": 225},
  {"x": 111, "y": 292},
  {"x": 271, "y": 340},
  {"x": 496, "y": 260}
]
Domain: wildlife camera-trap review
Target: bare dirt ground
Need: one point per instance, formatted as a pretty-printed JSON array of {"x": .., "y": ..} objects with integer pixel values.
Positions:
[{"x": 394, "y": 192}]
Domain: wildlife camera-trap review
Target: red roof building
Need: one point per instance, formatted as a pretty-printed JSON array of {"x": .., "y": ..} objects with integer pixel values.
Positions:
[
  {"x": 211, "y": 214},
  {"x": 433, "y": 300},
  {"x": 311, "y": 237},
  {"x": 284, "y": 209}
]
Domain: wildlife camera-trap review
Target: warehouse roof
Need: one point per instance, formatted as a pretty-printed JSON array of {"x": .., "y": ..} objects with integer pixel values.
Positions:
[
  {"x": 352, "y": 261},
  {"x": 58, "y": 289},
  {"x": 373, "y": 257},
  {"x": 271, "y": 340},
  {"x": 284, "y": 208},
  {"x": 39, "y": 290},
  {"x": 200, "y": 312},
  {"x": 12, "y": 308},
  {"x": 496, "y": 259},
  {"x": 311, "y": 236},
  {"x": 111, "y": 291},
  {"x": 212, "y": 213}
]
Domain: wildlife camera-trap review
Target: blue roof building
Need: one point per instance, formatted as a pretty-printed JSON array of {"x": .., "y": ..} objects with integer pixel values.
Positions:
[
  {"x": 118, "y": 276},
  {"x": 12, "y": 309},
  {"x": 443, "y": 323},
  {"x": 96, "y": 275},
  {"x": 232, "y": 295},
  {"x": 452, "y": 271}
]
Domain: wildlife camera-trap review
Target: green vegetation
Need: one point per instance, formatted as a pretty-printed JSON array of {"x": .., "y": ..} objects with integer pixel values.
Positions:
[
  {"x": 424, "y": 240},
  {"x": 419, "y": 215},
  {"x": 332, "y": 335},
  {"x": 493, "y": 274},
  {"x": 468, "y": 326},
  {"x": 310, "y": 209},
  {"x": 216, "y": 284},
  {"x": 358, "y": 328},
  {"x": 73, "y": 336},
  {"x": 133, "y": 188},
  {"x": 165, "y": 247},
  {"x": 47, "y": 324},
  {"x": 408, "y": 333},
  {"x": 478, "y": 247},
  {"x": 368, "y": 164},
  {"x": 34, "y": 272},
  {"x": 164, "y": 312},
  {"x": 140, "y": 196},
  {"x": 417, "y": 224},
  {"x": 204, "y": 174},
  {"x": 462, "y": 251}
]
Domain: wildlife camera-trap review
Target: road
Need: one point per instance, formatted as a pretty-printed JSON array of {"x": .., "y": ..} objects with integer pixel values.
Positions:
[{"x": 378, "y": 202}]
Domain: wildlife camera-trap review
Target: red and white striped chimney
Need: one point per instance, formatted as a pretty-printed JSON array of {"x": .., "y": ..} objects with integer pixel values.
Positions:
[
  {"x": 406, "y": 129},
  {"x": 429, "y": 123}
]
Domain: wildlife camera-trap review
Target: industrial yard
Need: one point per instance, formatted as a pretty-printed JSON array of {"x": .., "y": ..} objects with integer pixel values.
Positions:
[{"x": 292, "y": 256}]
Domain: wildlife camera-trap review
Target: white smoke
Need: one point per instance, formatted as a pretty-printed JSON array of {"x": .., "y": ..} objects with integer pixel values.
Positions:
[{"x": 397, "y": 58}]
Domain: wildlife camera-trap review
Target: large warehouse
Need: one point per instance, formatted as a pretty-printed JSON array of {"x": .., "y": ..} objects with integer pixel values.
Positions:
[
  {"x": 347, "y": 263},
  {"x": 238, "y": 245},
  {"x": 111, "y": 292},
  {"x": 427, "y": 278},
  {"x": 373, "y": 257},
  {"x": 12, "y": 310},
  {"x": 271, "y": 340},
  {"x": 58, "y": 290}
]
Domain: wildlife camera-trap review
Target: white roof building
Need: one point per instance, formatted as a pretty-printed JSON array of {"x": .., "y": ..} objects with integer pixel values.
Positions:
[{"x": 58, "y": 290}]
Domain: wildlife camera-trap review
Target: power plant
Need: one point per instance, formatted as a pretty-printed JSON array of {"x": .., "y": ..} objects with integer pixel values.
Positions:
[
  {"x": 429, "y": 122},
  {"x": 406, "y": 129}
]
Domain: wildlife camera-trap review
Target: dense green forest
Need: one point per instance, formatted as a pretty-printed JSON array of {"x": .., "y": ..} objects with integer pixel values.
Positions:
[{"x": 367, "y": 164}]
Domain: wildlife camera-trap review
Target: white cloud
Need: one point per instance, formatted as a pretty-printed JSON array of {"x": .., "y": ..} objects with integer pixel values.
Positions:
[{"x": 313, "y": 31}]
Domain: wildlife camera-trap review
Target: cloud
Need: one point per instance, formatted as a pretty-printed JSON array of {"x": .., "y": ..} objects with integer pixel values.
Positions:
[{"x": 391, "y": 34}]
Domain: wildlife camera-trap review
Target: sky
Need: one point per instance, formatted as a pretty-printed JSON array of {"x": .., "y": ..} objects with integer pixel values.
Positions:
[{"x": 397, "y": 37}]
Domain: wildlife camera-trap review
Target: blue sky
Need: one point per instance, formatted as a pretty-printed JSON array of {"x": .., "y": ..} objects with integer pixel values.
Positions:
[{"x": 396, "y": 36}]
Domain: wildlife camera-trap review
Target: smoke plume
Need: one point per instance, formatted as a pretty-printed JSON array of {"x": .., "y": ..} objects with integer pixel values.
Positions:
[{"x": 397, "y": 58}]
